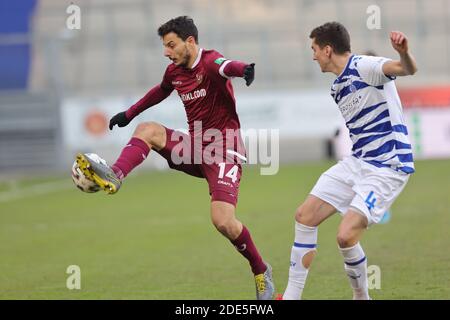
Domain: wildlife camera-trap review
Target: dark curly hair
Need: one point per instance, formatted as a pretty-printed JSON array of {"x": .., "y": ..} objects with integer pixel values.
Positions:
[
  {"x": 333, "y": 34},
  {"x": 182, "y": 26}
]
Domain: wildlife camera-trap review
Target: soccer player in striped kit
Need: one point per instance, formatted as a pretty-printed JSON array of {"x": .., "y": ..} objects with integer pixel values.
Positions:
[{"x": 364, "y": 185}]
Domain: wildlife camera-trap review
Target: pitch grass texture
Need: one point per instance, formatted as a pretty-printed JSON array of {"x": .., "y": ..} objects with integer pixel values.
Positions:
[{"x": 154, "y": 239}]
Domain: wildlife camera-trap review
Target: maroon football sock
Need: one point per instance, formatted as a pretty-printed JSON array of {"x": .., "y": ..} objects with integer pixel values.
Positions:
[
  {"x": 132, "y": 155},
  {"x": 244, "y": 244}
]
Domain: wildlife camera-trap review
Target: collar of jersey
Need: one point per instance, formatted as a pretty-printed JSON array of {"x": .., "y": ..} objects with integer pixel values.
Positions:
[
  {"x": 199, "y": 56},
  {"x": 346, "y": 67}
]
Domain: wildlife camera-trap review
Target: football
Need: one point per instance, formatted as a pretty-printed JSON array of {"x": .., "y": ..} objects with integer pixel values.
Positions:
[{"x": 80, "y": 180}]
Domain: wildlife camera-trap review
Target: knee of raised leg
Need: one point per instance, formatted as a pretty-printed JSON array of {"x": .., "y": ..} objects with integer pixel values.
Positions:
[
  {"x": 304, "y": 216},
  {"x": 147, "y": 129},
  {"x": 142, "y": 129}
]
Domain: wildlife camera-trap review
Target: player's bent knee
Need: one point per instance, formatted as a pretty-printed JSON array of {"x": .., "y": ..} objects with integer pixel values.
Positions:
[
  {"x": 345, "y": 239},
  {"x": 226, "y": 228},
  {"x": 305, "y": 216},
  {"x": 223, "y": 218},
  {"x": 221, "y": 227},
  {"x": 151, "y": 132},
  {"x": 149, "y": 129}
]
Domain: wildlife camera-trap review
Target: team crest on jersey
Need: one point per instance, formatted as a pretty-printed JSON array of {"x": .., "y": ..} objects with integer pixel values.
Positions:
[{"x": 199, "y": 78}]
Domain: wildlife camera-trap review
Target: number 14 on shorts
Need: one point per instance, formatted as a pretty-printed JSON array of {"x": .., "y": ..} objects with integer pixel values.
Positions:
[{"x": 232, "y": 173}]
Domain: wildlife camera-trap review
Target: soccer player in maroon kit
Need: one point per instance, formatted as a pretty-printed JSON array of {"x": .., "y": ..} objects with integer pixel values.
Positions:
[{"x": 202, "y": 80}]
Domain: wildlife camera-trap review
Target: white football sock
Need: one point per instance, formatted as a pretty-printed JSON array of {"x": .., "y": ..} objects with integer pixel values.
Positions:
[
  {"x": 355, "y": 264},
  {"x": 305, "y": 241}
]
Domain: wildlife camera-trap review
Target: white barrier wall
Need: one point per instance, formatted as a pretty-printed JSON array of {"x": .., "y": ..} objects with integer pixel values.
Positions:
[
  {"x": 299, "y": 115},
  {"x": 429, "y": 133},
  {"x": 307, "y": 114}
]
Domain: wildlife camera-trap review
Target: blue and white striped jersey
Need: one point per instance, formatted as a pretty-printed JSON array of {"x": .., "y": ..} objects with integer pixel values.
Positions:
[{"x": 371, "y": 107}]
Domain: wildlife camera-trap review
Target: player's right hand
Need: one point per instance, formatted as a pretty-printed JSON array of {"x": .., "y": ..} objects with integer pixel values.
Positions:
[
  {"x": 120, "y": 119},
  {"x": 249, "y": 74}
]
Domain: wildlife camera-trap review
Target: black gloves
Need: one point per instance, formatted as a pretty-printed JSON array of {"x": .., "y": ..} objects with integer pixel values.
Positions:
[
  {"x": 249, "y": 74},
  {"x": 120, "y": 119}
]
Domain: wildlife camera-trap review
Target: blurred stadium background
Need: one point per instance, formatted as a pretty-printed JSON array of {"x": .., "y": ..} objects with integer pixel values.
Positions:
[{"x": 59, "y": 87}]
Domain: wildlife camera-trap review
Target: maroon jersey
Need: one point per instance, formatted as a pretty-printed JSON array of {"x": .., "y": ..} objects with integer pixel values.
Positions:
[{"x": 205, "y": 90}]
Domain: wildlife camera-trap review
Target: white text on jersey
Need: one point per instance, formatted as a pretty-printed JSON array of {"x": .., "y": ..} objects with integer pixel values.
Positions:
[{"x": 193, "y": 95}]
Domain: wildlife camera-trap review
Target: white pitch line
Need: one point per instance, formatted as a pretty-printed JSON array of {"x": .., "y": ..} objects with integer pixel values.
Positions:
[{"x": 38, "y": 189}]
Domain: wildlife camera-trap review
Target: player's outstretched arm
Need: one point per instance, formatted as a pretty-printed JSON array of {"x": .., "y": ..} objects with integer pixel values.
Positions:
[
  {"x": 239, "y": 69},
  {"x": 154, "y": 96},
  {"x": 407, "y": 64}
]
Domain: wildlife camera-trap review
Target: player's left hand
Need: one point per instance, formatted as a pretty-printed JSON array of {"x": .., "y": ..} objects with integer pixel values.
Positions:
[
  {"x": 399, "y": 42},
  {"x": 249, "y": 74}
]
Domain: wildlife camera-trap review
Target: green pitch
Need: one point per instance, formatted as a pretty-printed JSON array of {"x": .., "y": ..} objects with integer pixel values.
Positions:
[{"x": 154, "y": 239}]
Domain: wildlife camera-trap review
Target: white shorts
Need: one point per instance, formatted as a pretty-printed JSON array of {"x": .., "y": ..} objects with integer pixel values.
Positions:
[{"x": 357, "y": 184}]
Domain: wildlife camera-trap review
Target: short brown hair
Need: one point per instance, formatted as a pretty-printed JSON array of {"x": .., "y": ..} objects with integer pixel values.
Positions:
[{"x": 333, "y": 34}]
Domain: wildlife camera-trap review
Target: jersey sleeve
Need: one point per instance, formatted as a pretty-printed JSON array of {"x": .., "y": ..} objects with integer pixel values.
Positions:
[
  {"x": 216, "y": 64},
  {"x": 225, "y": 68},
  {"x": 371, "y": 70},
  {"x": 156, "y": 94}
]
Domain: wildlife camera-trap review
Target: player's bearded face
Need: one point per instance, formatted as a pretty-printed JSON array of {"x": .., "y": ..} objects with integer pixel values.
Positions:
[
  {"x": 185, "y": 57},
  {"x": 181, "y": 55},
  {"x": 176, "y": 49}
]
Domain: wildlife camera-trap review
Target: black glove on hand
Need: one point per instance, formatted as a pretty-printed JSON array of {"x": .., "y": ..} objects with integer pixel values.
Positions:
[
  {"x": 249, "y": 74},
  {"x": 120, "y": 119}
]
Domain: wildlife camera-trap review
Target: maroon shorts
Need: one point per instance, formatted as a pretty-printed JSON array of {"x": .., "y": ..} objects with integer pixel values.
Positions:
[{"x": 222, "y": 171}]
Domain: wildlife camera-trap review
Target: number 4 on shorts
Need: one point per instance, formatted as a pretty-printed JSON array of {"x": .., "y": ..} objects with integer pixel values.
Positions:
[
  {"x": 370, "y": 200},
  {"x": 232, "y": 173}
]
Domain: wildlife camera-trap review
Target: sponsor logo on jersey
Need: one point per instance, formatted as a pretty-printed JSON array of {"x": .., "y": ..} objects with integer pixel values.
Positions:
[
  {"x": 350, "y": 107},
  {"x": 177, "y": 83},
  {"x": 193, "y": 95}
]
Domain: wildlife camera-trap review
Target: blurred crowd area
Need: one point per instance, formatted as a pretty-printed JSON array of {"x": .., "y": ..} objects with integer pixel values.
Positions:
[{"x": 117, "y": 47}]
